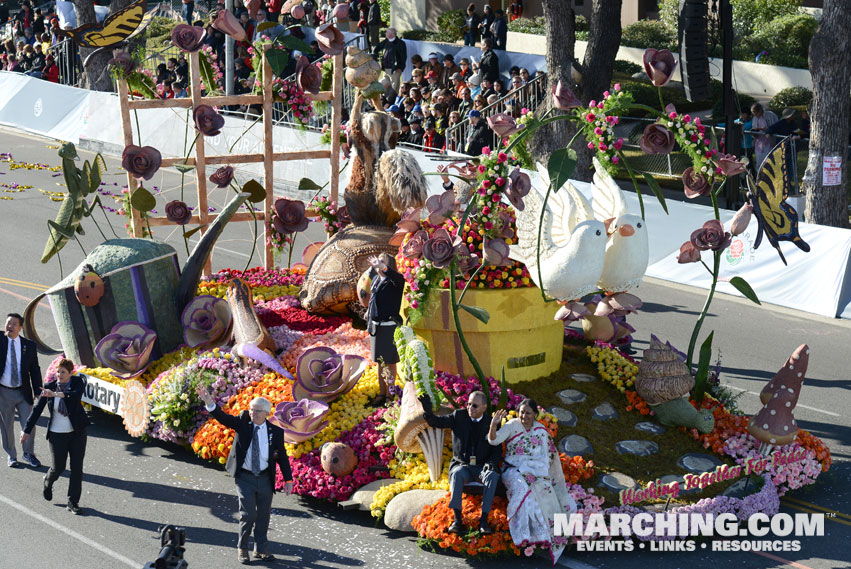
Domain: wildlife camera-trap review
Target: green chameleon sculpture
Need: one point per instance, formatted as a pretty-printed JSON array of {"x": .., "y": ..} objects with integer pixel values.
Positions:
[{"x": 80, "y": 184}]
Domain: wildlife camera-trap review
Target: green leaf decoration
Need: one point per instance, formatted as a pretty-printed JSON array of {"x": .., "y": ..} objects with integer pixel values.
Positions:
[
  {"x": 207, "y": 76},
  {"x": 293, "y": 43},
  {"x": 503, "y": 392},
  {"x": 184, "y": 168},
  {"x": 258, "y": 192},
  {"x": 265, "y": 26},
  {"x": 478, "y": 313},
  {"x": 560, "y": 166},
  {"x": 278, "y": 60},
  {"x": 702, "y": 376},
  {"x": 308, "y": 184},
  {"x": 743, "y": 287},
  {"x": 657, "y": 191},
  {"x": 193, "y": 231},
  {"x": 143, "y": 200}
]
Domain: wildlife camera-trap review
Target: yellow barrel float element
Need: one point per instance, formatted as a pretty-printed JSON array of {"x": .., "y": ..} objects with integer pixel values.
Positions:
[{"x": 521, "y": 334}]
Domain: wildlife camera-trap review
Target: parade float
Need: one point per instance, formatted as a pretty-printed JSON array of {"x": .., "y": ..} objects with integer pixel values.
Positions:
[{"x": 491, "y": 280}]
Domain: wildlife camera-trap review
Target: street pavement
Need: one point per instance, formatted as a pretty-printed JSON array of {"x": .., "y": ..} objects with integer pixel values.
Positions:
[{"x": 132, "y": 487}]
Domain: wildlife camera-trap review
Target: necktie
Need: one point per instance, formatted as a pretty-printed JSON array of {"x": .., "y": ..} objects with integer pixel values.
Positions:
[
  {"x": 255, "y": 451},
  {"x": 16, "y": 377}
]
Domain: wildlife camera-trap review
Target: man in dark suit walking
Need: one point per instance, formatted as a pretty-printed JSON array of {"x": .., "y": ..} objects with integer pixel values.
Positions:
[
  {"x": 257, "y": 446},
  {"x": 20, "y": 384},
  {"x": 472, "y": 457}
]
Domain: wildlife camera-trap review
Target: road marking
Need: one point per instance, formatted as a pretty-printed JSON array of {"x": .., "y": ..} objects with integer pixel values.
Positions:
[
  {"x": 16, "y": 281},
  {"x": 22, "y": 297},
  {"x": 799, "y": 405},
  {"x": 38, "y": 288},
  {"x": 781, "y": 560},
  {"x": 573, "y": 563},
  {"x": 817, "y": 507},
  {"x": 817, "y": 511},
  {"x": 71, "y": 533}
]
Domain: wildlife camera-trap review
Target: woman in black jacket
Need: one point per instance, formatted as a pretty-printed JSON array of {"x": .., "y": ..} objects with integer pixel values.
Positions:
[
  {"x": 66, "y": 430},
  {"x": 471, "y": 23}
]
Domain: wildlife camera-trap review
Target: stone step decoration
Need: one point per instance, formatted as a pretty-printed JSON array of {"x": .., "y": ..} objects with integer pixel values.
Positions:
[
  {"x": 698, "y": 463},
  {"x": 564, "y": 417},
  {"x": 679, "y": 479},
  {"x": 605, "y": 412},
  {"x": 363, "y": 497},
  {"x": 402, "y": 509},
  {"x": 617, "y": 481},
  {"x": 575, "y": 445},
  {"x": 583, "y": 377},
  {"x": 571, "y": 396},
  {"x": 637, "y": 448},
  {"x": 652, "y": 428}
]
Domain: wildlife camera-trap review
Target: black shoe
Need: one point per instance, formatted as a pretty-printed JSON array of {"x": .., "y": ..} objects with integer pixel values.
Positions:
[
  {"x": 456, "y": 527},
  {"x": 13, "y": 463},
  {"x": 74, "y": 508},
  {"x": 484, "y": 528},
  {"x": 32, "y": 460},
  {"x": 47, "y": 492}
]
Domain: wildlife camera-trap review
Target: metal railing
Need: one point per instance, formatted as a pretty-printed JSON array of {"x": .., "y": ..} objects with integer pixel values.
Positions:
[
  {"x": 67, "y": 58},
  {"x": 529, "y": 96}
]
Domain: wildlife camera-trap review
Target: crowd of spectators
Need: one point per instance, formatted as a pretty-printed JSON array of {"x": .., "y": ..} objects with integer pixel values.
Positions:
[{"x": 33, "y": 35}]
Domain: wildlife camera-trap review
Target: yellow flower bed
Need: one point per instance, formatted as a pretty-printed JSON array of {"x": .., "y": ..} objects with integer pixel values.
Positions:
[
  {"x": 345, "y": 413},
  {"x": 413, "y": 475},
  {"x": 613, "y": 367},
  {"x": 261, "y": 293},
  {"x": 103, "y": 373}
]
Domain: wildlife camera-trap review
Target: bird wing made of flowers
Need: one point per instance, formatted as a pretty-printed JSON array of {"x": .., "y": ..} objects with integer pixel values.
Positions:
[
  {"x": 207, "y": 321},
  {"x": 126, "y": 349},
  {"x": 324, "y": 375}
]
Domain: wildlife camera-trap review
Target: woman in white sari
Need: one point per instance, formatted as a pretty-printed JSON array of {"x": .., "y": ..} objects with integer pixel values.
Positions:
[{"x": 533, "y": 478}]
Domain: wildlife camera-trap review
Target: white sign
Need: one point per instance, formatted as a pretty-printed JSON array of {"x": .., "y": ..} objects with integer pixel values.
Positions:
[
  {"x": 103, "y": 394},
  {"x": 832, "y": 171}
]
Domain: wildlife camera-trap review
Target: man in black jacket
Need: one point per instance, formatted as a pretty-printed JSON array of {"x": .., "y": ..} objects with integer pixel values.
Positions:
[
  {"x": 394, "y": 57},
  {"x": 373, "y": 22},
  {"x": 472, "y": 457},
  {"x": 257, "y": 446},
  {"x": 489, "y": 65},
  {"x": 20, "y": 384},
  {"x": 479, "y": 135}
]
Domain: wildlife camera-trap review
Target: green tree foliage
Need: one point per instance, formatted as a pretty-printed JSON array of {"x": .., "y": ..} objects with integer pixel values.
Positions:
[
  {"x": 450, "y": 25},
  {"x": 790, "y": 97},
  {"x": 649, "y": 33}
]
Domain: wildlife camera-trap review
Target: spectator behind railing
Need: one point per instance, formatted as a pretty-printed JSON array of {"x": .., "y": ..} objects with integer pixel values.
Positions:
[{"x": 471, "y": 26}]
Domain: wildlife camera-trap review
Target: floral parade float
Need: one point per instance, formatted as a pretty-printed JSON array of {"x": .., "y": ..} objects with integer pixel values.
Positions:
[{"x": 630, "y": 434}]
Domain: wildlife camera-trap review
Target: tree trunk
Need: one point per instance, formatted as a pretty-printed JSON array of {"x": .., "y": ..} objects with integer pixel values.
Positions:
[
  {"x": 830, "y": 65},
  {"x": 95, "y": 75},
  {"x": 561, "y": 39},
  {"x": 603, "y": 42}
]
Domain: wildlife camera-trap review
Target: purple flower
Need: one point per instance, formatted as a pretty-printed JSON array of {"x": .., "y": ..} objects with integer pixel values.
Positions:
[
  {"x": 178, "y": 212},
  {"x": 741, "y": 220},
  {"x": 341, "y": 11},
  {"x": 289, "y": 216},
  {"x": 659, "y": 64},
  {"x": 207, "y": 120},
  {"x": 409, "y": 223},
  {"x": 440, "y": 207},
  {"x": 563, "y": 97},
  {"x": 330, "y": 39},
  {"x": 519, "y": 185},
  {"x": 126, "y": 349},
  {"x": 688, "y": 253},
  {"x": 123, "y": 62},
  {"x": 439, "y": 249},
  {"x": 308, "y": 76},
  {"x": 227, "y": 23},
  {"x": 413, "y": 249},
  {"x": 222, "y": 177},
  {"x": 711, "y": 236},
  {"x": 324, "y": 375},
  {"x": 729, "y": 165},
  {"x": 496, "y": 252},
  {"x": 300, "y": 420},
  {"x": 695, "y": 183},
  {"x": 206, "y": 322},
  {"x": 141, "y": 162},
  {"x": 188, "y": 38},
  {"x": 467, "y": 262},
  {"x": 504, "y": 125},
  {"x": 657, "y": 139}
]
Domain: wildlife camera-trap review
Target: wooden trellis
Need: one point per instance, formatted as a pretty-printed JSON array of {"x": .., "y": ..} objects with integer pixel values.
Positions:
[{"x": 268, "y": 157}]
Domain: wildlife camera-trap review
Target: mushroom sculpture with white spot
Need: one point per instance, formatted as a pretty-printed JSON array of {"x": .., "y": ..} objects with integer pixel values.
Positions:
[{"x": 775, "y": 424}]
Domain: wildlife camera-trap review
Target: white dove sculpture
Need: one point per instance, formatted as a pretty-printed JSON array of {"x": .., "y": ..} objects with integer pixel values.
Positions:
[
  {"x": 572, "y": 250},
  {"x": 628, "y": 248}
]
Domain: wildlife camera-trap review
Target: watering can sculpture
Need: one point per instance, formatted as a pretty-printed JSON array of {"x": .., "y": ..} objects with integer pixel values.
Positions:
[{"x": 126, "y": 281}]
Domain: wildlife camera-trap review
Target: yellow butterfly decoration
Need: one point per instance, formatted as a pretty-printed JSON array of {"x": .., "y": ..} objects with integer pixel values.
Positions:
[
  {"x": 116, "y": 28},
  {"x": 776, "y": 218}
]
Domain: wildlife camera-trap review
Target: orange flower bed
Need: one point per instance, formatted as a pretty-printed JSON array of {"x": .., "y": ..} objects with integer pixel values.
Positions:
[
  {"x": 815, "y": 444},
  {"x": 213, "y": 440},
  {"x": 636, "y": 403},
  {"x": 576, "y": 469},
  {"x": 433, "y": 522}
]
